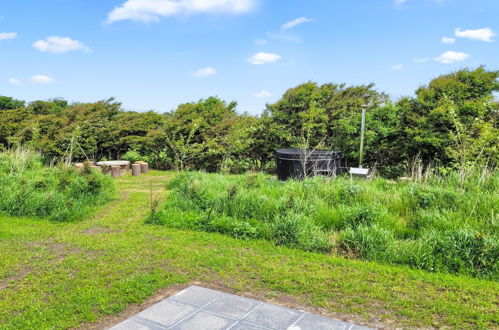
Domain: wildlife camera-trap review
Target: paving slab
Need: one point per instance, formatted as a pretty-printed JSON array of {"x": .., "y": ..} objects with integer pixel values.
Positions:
[{"x": 197, "y": 308}]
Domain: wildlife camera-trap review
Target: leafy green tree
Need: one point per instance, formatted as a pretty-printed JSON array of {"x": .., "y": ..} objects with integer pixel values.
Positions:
[
  {"x": 328, "y": 116},
  {"x": 452, "y": 119},
  {"x": 202, "y": 135},
  {"x": 9, "y": 103}
]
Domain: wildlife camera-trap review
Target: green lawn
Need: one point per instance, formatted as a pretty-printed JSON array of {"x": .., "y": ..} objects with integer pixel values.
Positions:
[{"x": 62, "y": 275}]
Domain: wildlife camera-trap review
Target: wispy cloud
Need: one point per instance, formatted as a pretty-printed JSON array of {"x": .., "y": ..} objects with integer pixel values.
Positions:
[
  {"x": 14, "y": 81},
  {"x": 450, "y": 57},
  {"x": 421, "y": 60},
  {"x": 448, "y": 40},
  {"x": 260, "y": 42},
  {"x": 295, "y": 22},
  {"x": 154, "y": 10},
  {"x": 205, "y": 72},
  {"x": 264, "y": 58},
  {"x": 397, "y": 67},
  {"x": 8, "y": 35},
  {"x": 59, "y": 45},
  {"x": 399, "y": 2},
  {"x": 263, "y": 94},
  {"x": 485, "y": 34},
  {"x": 41, "y": 79}
]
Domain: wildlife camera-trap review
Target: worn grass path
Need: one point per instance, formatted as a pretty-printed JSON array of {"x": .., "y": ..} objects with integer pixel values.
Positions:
[{"x": 55, "y": 275}]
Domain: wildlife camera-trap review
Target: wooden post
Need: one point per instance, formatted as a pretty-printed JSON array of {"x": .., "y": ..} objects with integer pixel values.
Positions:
[
  {"x": 136, "y": 169},
  {"x": 144, "y": 167},
  {"x": 115, "y": 171}
]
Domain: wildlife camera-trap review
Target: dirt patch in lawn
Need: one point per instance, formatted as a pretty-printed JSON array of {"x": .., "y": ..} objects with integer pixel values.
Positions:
[
  {"x": 100, "y": 230},
  {"x": 19, "y": 275}
]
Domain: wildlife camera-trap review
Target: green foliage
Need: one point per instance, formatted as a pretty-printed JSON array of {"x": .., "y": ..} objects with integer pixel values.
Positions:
[
  {"x": 133, "y": 156},
  {"x": 28, "y": 188},
  {"x": 101, "y": 265},
  {"x": 451, "y": 122},
  {"x": 9, "y": 103},
  {"x": 207, "y": 135},
  {"x": 439, "y": 224}
]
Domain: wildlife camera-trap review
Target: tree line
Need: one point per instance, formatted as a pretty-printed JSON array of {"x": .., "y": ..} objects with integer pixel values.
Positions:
[{"x": 450, "y": 122}]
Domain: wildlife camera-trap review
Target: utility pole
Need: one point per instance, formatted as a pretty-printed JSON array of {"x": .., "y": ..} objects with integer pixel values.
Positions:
[{"x": 362, "y": 128}]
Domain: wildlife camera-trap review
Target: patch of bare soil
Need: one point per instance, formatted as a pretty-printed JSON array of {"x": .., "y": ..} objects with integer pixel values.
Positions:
[
  {"x": 101, "y": 230},
  {"x": 19, "y": 275},
  {"x": 277, "y": 299}
]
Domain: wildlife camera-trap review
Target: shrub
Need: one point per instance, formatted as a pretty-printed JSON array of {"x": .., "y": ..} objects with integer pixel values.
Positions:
[
  {"x": 367, "y": 242},
  {"x": 431, "y": 225},
  {"x": 27, "y": 188},
  {"x": 133, "y": 156}
]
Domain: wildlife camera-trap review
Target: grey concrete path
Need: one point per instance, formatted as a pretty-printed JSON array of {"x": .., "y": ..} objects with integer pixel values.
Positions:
[{"x": 197, "y": 308}]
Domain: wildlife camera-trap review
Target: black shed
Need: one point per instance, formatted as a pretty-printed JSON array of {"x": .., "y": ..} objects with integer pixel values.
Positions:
[{"x": 299, "y": 163}]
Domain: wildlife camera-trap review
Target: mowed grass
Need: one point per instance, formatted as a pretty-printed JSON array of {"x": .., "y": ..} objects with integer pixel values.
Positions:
[{"x": 63, "y": 275}]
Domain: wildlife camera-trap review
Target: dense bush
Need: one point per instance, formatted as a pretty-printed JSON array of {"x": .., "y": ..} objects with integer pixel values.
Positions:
[
  {"x": 439, "y": 223},
  {"x": 28, "y": 188},
  {"x": 451, "y": 122}
]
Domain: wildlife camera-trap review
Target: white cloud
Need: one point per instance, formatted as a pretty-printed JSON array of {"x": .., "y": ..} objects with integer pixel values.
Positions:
[
  {"x": 448, "y": 40},
  {"x": 153, "y": 10},
  {"x": 8, "y": 35},
  {"x": 264, "y": 58},
  {"x": 451, "y": 57},
  {"x": 205, "y": 72},
  {"x": 397, "y": 67},
  {"x": 421, "y": 60},
  {"x": 260, "y": 42},
  {"x": 263, "y": 94},
  {"x": 485, "y": 34},
  {"x": 14, "y": 81},
  {"x": 59, "y": 45},
  {"x": 295, "y": 22},
  {"x": 40, "y": 79}
]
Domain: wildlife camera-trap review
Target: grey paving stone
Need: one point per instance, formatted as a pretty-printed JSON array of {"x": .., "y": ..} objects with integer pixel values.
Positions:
[
  {"x": 247, "y": 326},
  {"x": 233, "y": 306},
  {"x": 272, "y": 316},
  {"x": 315, "y": 322},
  {"x": 197, "y": 308},
  {"x": 150, "y": 324},
  {"x": 129, "y": 325},
  {"x": 204, "y": 321},
  {"x": 167, "y": 312},
  {"x": 196, "y": 296}
]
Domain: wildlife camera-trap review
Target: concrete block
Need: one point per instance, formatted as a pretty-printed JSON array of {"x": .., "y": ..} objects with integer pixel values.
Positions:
[
  {"x": 115, "y": 171},
  {"x": 144, "y": 167},
  {"x": 204, "y": 321},
  {"x": 196, "y": 296},
  {"x": 315, "y": 322},
  {"x": 136, "y": 169},
  {"x": 272, "y": 316},
  {"x": 247, "y": 326},
  {"x": 130, "y": 325},
  {"x": 166, "y": 312},
  {"x": 232, "y": 306}
]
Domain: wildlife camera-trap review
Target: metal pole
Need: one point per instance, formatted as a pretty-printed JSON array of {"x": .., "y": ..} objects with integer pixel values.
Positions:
[{"x": 362, "y": 128}]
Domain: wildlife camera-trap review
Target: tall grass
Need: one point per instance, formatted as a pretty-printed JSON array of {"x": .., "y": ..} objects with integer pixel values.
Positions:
[
  {"x": 436, "y": 223},
  {"x": 29, "y": 188}
]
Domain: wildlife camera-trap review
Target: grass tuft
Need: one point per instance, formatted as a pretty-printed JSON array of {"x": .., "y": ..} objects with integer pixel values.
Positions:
[{"x": 437, "y": 224}]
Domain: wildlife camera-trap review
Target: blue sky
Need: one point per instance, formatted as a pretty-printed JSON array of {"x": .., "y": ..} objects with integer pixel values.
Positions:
[{"x": 155, "y": 54}]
